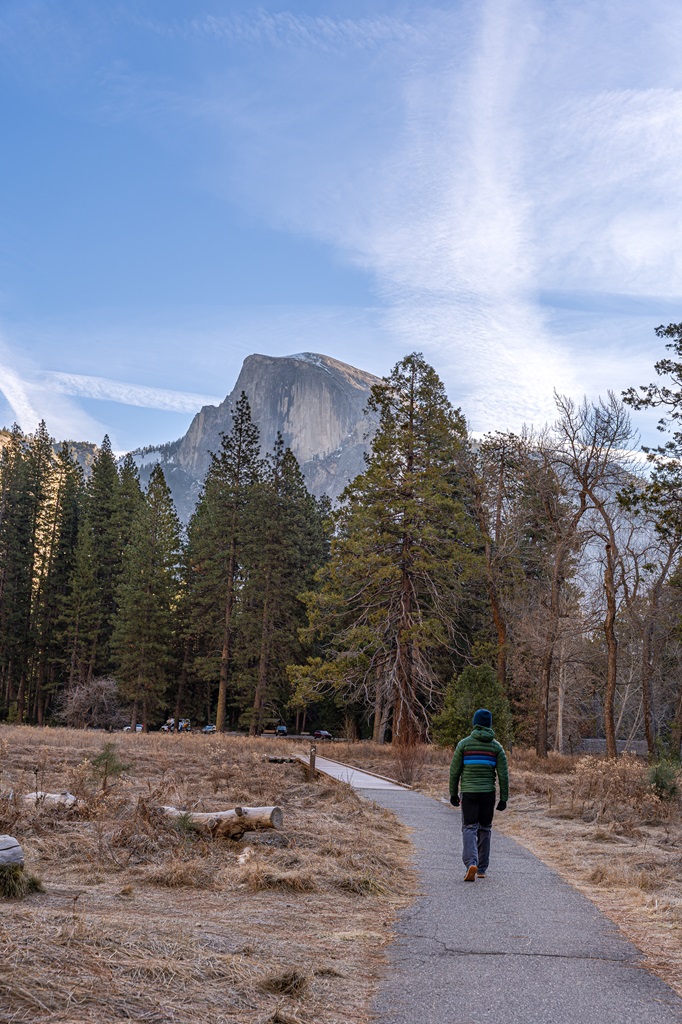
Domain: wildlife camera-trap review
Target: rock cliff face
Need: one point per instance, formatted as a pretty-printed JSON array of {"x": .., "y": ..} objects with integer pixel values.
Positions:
[{"x": 316, "y": 402}]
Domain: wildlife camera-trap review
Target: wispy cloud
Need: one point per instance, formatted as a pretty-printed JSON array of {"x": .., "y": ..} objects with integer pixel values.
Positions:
[
  {"x": 125, "y": 393},
  {"x": 17, "y": 396},
  {"x": 507, "y": 172},
  {"x": 286, "y": 29},
  {"x": 28, "y": 404},
  {"x": 533, "y": 156}
]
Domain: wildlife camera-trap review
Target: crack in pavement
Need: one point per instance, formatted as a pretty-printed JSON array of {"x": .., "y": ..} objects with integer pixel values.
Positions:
[{"x": 450, "y": 951}]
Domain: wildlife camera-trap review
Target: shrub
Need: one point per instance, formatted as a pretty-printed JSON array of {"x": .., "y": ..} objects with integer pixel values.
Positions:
[
  {"x": 476, "y": 687},
  {"x": 95, "y": 704},
  {"x": 664, "y": 776},
  {"x": 16, "y": 882},
  {"x": 409, "y": 762},
  {"x": 107, "y": 766}
]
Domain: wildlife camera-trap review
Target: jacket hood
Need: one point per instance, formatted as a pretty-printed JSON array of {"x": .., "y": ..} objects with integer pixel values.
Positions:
[{"x": 483, "y": 734}]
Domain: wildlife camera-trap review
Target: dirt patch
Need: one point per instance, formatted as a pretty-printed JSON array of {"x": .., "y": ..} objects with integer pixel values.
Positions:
[{"x": 145, "y": 919}]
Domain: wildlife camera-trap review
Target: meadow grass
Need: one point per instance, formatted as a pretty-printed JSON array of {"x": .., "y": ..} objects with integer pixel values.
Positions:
[{"x": 145, "y": 918}]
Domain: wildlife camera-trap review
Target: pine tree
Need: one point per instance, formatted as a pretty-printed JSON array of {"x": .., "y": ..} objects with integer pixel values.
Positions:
[
  {"x": 129, "y": 501},
  {"x": 81, "y": 616},
  {"x": 55, "y": 575},
  {"x": 143, "y": 633},
  {"x": 16, "y": 571},
  {"x": 390, "y": 607},
  {"x": 283, "y": 547},
  {"x": 216, "y": 535},
  {"x": 102, "y": 520},
  {"x": 476, "y": 687}
]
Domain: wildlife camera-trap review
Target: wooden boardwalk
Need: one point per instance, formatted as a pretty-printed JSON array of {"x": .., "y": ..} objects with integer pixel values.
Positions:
[{"x": 352, "y": 776}]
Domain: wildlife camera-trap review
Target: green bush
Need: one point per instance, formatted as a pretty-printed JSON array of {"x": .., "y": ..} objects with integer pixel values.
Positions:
[
  {"x": 107, "y": 767},
  {"x": 476, "y": 687},
  {"x": 664, "y": 777}
]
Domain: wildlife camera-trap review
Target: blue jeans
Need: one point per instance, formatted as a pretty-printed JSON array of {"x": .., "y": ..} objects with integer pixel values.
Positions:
[{"x": 477, "y": 826}]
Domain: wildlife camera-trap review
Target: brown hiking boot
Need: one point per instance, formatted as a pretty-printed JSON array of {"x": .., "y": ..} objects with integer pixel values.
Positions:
[{"x": 471, "y": 873}]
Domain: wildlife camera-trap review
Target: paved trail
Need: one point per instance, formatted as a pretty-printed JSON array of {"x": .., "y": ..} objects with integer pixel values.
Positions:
[{"x": 520, "y": 947}]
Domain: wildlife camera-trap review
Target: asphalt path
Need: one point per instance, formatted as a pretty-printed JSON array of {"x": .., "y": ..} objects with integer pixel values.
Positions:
[{"x": 518, "y": 947}]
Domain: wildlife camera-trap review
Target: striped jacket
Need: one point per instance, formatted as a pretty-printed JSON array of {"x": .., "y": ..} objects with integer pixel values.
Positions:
[{"x": 478, "y": 758}]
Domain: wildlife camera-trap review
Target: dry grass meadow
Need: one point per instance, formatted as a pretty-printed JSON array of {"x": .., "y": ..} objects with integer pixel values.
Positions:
[
  {"x": 143, "y": 919},
  {"x": 599, "y": 824}
]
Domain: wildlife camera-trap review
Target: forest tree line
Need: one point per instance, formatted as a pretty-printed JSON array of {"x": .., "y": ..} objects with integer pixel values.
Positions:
[{"x": 536, "y": 572}]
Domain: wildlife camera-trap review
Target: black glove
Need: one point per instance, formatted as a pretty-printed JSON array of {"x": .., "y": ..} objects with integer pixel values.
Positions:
[
  {"x": 454, "y": 800},
  {"x": 502, "y": 806}
]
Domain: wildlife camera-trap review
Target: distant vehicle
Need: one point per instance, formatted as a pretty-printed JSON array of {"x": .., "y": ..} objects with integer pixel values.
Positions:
[
  {"x": 208, "y": 728},
  {"x": 183, "y": 725},
  {"x": 322, "y": 734},
  {"x": 281, "y": 730},
  {"x": 138, "y": 728}
]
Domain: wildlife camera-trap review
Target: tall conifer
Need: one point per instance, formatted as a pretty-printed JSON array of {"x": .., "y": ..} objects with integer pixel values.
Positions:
[
  {"x": 53, "y": 574},
  {"x": 390, "y": 606},
  {"x": 143, "y": 635},
  {"x": 283, "y": 547},
  {"x": 216, "y": 535},
  {"x": 16, "y": 570}
]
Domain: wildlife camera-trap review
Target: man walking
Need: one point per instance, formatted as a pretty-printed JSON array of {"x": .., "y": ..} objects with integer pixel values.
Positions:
[{"x": 478, "y": 758}]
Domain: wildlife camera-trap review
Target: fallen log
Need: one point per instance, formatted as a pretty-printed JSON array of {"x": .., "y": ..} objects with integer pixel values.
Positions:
[
  {"x": 63, "y": 799},
  {"x": 231, "y": 824}
]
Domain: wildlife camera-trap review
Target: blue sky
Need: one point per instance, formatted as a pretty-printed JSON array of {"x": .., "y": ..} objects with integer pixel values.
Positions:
[{"x": 495, "y": 184}]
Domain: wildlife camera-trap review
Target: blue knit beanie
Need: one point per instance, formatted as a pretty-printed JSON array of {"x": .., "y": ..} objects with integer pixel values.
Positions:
[{"x": 483, "y": 718}]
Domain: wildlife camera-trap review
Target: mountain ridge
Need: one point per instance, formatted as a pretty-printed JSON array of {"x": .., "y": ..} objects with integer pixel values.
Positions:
[{"x": 316, "y": 402}]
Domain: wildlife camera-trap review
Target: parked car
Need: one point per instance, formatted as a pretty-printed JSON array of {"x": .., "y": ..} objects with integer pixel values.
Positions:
[
  {"x": 138, "y": 728},
  {"x": 183, "y": 725},
  {"x": 208, "y": 728},
  {"x": 322, "y": 734},
  {"x": 281, "y": 730}
]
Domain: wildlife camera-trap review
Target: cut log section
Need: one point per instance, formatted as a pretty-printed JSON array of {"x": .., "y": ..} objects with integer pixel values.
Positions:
[
  {"x": 231, "y": 824},
  {"x": 11, "y": 853},
  {"x": 63, "y": 799}
]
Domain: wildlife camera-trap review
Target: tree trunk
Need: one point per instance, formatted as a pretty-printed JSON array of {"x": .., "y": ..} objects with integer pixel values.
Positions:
[
  {"x": 676, "y": 730},
  {"x": 40, "y": 693},
  {"x": 493, "y": 597},
  {"x": 561, "y": 698},
  {"x": 263, "y": 665},
  {"x": 611, "y": 655},
  {"x": 225, "y": 654},
  {"x": 181, "y": 684},
  {"x": 541, "y": 736},
  {"x": 21, "y": 699},
  {"x": 541, "y": 740},
  {"x": 378, "y": 703}
]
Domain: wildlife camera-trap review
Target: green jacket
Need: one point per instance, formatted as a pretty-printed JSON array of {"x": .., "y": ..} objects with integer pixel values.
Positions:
[{"x": 476, "y": 761}]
